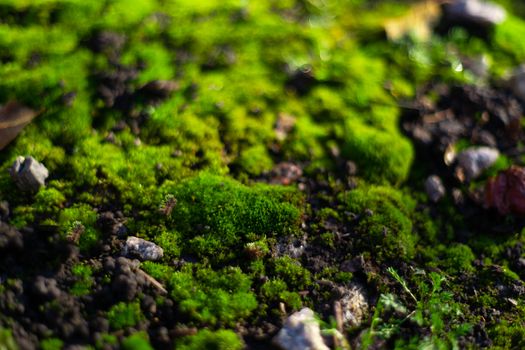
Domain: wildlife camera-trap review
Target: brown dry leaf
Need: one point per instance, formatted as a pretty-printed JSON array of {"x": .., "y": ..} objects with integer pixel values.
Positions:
[
  {"x": 13, "y": 118},
  {"x": 418, "y": 21}
]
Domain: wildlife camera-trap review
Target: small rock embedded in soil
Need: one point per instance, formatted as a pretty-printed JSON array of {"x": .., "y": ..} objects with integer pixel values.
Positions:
[
  {"x": 142, "y": 249},
  {"x": 285, "y": 173},
  {"x": 474, "y": 160},
  {"x": 476, "y": 12},
  {"x": 354, "y": 305},
  {"x": 301, "y": 331},
  {"x": 29, "y": 174},
  {"x": 434, "y": 188}
]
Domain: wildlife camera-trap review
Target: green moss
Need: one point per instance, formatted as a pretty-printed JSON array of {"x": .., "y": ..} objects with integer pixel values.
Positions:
[
  {"x": 380, "y": 156},
  {"x": 7, "y": 342},
  {"x": 306, "y": 141},
  {"x": 508, "y": 335},
  {"x": 255, "y": 160},
  {"x": 204, "y": 146},
  {"x": 217, "y": 216},
  {"x": 212, "y": 297},
  {"x": 507, "y": 38},
  {"x": 386, "y": 229},
  {"x": 51, "y": 344},
  {"x": 291, "y": 271},
  {"x": 257, "y": 249},
  {"x": 84, "y": 282},
  {"x": 124, "y": 315},
  {"x": 105, "y": 340},
  {"x": 453, "y": 258},
  {"x": 137, "y": 341},
  {"x": 327, "y": 105},
  {"x": 159, "y": 61},
  {"x": 79, "y": 220},
  {"x": 222, "y": 339},
  {"x": 157, "y": 270},
  {"x": 170, "y": 242},
  {"x": 333, "y": 273},
  {"x": 49, "y": 200},
  {"x": 276, "y": 290}
]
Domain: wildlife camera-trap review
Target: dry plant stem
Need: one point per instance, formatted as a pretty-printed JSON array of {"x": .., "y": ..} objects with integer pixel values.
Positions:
[
  {"x": 153, "y": 281},
  {"x": 338, "y": 311}
]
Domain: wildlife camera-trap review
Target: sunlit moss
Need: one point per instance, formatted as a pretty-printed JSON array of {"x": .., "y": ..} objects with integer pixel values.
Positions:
[
  {"x": 84, "y": 282},
  {"x": 384, "y": 224},
  {"x": 205, "y": 339},
  {"x": 381, "y": 156},
  {"x": 330, "y": 70},
  {"x": 78, "y": 223},
  {"x": 137, "y": 341},
  {"x": 124, "y": 315},
  {"x": 217, "y": 215}
]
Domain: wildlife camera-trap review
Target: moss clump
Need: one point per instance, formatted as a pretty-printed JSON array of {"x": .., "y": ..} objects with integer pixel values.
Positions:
[
  {"x": 48, "y": 201},
  {"x": 305, "y": 142},
  {"x": 384, "y": 224},
  {"x": 507, "y": 38},
  {"x": 276, "y": 290},
  {"x": 124, "y": 315},
  {"x": 51, "y": 344},
  {"x": 291, "y": 271},
  {"x": 255, "y": 160},
  {"x": 106, "y": 340},
  {"x": 137, "y": 341},
  {"x": 84, "y": 275},
  {"x": 381, "y": 156},
  {"x": 212, "y": 297},
  {"x": 222, "y": 339},
  {"x": 454, "y": 258},
  {"x": 217, "y": 216},
  {"x": 77, "y": 223},
  {"x": 7, "y": 342},
  {"x": 207, "y": 296},
  {"x": 508, "y": 335}
]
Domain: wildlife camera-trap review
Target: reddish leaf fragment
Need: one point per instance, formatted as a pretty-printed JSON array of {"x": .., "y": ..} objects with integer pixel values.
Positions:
[
  {"x": 13, "y": 118},
  {"x": 506, "y": 191}
]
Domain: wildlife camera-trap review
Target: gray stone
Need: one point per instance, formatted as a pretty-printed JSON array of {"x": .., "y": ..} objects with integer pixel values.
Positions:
[
  {"x": 141, "y": 249},
  {"x": 434, "y": 188},
  {"x": 301, "y": 332},
  {"x": 474, "y": 160},
  {"x": 29, "y": 174},
  {"x": 476, "y": 11}
]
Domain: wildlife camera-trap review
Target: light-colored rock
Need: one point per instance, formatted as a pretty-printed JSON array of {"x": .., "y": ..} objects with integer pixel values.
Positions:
[
  {"x": 434, "y": 188},
  {"x": 354, "y": 305},
  {"x": 474, "y": 160},
  {"x": 476, "y": 11},
  {"x": 140, "y": 248},
  {"x": 28, "y": 174},
  {"x": 301, "y": 332}
]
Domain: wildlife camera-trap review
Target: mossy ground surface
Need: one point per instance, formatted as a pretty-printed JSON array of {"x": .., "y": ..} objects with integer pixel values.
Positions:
[{"x": 266, "y": 147}]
